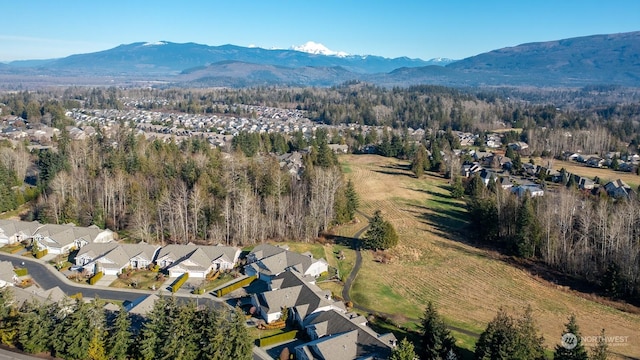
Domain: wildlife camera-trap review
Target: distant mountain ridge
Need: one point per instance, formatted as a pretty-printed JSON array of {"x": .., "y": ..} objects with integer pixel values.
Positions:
[
  {"x": 168, "y": 57},
  {"x": 612, "y": 59}
]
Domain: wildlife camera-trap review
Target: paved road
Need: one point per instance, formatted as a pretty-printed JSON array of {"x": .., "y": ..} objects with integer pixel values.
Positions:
[
  {"x": 47, "y": 277},
  {"x": 356, "y": 267},
  {"x": 11, "y": 355}
]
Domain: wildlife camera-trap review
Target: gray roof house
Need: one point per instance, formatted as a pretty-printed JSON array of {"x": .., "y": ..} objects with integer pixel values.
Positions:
[
  {"x": 296, "y": 292},
  {"x": 196, "y": 260},
  {"x": 112, "y": 258},
  {"x": 60, "y": 239},
  {"x": 339, "y": 336},
  {"x": 12, "y": 231},
  {"x": 267, "y": 261},
  {"x": 617, "y": 189},
  {"x": 7, "y": 276}
]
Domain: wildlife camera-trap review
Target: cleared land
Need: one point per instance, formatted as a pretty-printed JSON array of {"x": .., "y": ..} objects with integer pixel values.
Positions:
[
  {"x": 468, "y": 284},
  {"x": 605, "y": 174}
]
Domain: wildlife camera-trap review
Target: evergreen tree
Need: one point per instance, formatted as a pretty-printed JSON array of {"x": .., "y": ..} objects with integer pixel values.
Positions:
[
  {"x": 571, "y": 347},
  {"x": 457, "y": 189},
  {"x": 528, "y": 233},
  {"x": 419, "y": 161},
  {"x": 96, "y": 347},
  {"x": 8, "y": 318},
  {"x": 601, "y": 350},
  {"x": 506, "y": 338},
  {"x": 404, "y": 351},
  {"x": 119, "y": 338},
  {"x": 179, "y": 341},
  {"x": 352, "y": 200},
  {"x": 36, "y": 323},
  {"x": 530, "y": 344},
  {"x": 238, "y": 337},
  {"x": 381, "y": 235},
  {"x": 150, "y": 339},
  {"x": 499, "y": 340},
  {"x": 436, "y": 340}
]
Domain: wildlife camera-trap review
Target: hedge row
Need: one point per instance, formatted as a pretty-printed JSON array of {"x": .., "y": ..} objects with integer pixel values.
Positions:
[
  {"x": 179, "y": 282},
  {"x": 237, "y": 285},
  {"x": 94, "y": 279},
  {"x": 41, "y": 253},
  {"x": 16, "y": 250},
  {"x": 278, "y": 338},
  {"x": 21, "y": 272}
]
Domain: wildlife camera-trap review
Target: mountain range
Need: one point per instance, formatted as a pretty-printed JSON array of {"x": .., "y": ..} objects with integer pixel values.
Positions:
[{"x": 599, "y": 59}]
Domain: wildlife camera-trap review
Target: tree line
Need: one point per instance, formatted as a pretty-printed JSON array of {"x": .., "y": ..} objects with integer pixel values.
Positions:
[
  {"x": 593, "y": 237},
  {"x": 506, "y": 337},
  {"x": 168, "y": 192},
  {"x": 74, "y": 329}
]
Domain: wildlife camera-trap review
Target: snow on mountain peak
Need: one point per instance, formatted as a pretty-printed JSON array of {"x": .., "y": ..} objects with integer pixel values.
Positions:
[
  {"x": 318, "y": 49},
  {"x": 155, "y": 43}
]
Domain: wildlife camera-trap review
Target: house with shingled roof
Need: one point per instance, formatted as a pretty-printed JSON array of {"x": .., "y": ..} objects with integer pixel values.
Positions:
[
  {"x": 343, "y": 336},
  {"x": 113, "y": 258},
  {"x": 268, "y": 261},
  {"x": 13, "y": 231},
  {"x": 61, "y": 239},
  {"x": 296, "y": 292},
  {"x": 197, "y": 261}
]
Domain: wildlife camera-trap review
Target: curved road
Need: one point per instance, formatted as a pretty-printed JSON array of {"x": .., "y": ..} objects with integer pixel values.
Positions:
[
  {"x": 354, "y": 272},
  {"x": 47, "y": 277}
]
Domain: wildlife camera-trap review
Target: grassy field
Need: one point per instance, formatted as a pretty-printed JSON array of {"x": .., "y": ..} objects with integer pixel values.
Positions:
[
  {"x": 606, "y": 175},
  {"x": 433, "y": 263}
]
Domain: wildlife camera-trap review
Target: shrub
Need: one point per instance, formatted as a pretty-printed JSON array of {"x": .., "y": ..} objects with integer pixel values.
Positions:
[
  {"x": 21, "y": 271},
  {"x": 179, "y": 282},
  {"x": 237, "y": 285},
  {"x": 97, "y": 276},
  {"x": 41, "y": 253},
  {"x": 16, "y": 250},
  {"x": 278, "y": 338}
]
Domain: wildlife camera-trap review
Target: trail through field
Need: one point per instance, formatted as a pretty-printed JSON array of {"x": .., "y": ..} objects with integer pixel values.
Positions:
[{"x": 434, "y": 262}]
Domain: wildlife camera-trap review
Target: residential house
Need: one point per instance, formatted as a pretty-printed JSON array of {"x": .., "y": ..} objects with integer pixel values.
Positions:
[
  {"x": 468, "y": 170},
  {"x": 7, "y": 276},
  {"x": 505, "y": 182},
  {"x": 296, "y": 292},
  {"x": 487, "y": 176},
  {"x": 61, "y": 239},
  {"x": 267, "y": 261},
  {"x": 595, "y": 161},
  {"x": 532, "y": 190},
  {"x": 113, "y": 258},
  {"x": 339, "y": 336},
  {"x": 13, "y": 231},
  {"x": 586, "y": 183},
  {"x": 141, "y": 306},
  {"x": 617, "y": 189},
  {"x": 519, "y": 146},
  {"x": 197, "y": 261},
  {"x": 50, "y": 296}
]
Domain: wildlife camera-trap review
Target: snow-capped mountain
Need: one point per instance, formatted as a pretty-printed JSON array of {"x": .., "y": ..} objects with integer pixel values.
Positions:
[{"x": 315, "y": 48}]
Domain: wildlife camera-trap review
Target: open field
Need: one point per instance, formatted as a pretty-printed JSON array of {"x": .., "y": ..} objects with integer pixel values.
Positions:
[
  {"x": 432, "y": 262},
  {"x": 605, "y": 174}
]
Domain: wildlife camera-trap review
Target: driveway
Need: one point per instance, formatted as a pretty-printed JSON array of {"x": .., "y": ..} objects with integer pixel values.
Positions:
[{"x": 47, "y": 277}]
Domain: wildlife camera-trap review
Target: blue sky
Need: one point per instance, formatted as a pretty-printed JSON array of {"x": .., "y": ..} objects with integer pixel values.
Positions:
[{"x": 40, "y": 29}]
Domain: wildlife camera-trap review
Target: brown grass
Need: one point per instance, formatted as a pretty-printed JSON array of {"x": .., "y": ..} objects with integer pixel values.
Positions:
[
  {"x": 467, "y": 284},
  {"x": 580, "y": 169}
]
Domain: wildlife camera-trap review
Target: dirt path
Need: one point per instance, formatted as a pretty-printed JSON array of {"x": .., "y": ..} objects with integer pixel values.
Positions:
[{"x": 354, "y": 272}]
